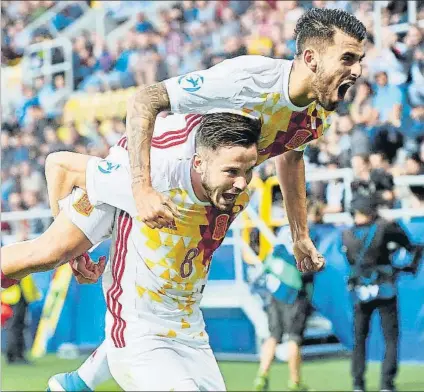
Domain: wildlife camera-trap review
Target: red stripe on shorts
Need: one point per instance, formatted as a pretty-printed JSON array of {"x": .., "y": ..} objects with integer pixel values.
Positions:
[{"x": 115, "y": 291}]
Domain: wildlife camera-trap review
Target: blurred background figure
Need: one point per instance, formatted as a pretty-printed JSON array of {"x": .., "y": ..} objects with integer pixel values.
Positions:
[
  {"x": 369, "y": 246},
  {"x": 18, "y": 297},
  {"x": 289, "y": 305}
]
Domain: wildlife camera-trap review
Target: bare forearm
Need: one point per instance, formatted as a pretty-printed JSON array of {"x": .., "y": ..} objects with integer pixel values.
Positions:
[
  {"x": 64, "y": 171},
  {"x": 291, "y": 176},
  {"x": 142, "y": 110}
]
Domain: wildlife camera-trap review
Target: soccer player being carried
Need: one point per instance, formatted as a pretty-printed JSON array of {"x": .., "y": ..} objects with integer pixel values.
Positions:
[{"x": 293, "y": 100}]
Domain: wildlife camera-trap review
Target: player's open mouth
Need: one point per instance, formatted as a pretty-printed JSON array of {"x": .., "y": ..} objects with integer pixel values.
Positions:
[{"x": 342, "y": 90}]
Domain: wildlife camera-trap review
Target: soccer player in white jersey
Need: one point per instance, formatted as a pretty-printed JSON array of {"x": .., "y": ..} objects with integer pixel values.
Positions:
[
  {"x": 293, "y": 99},
  {"x": 166, "y": 284}
]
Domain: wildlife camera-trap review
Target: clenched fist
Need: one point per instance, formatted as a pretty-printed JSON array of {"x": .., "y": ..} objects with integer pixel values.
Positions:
[
  {"x": 154, "y": 209},
  {"x": 307, "y": 257}
]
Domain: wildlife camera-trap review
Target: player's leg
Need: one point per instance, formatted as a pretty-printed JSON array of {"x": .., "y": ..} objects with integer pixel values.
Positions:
[
  {"x": 208, "y": 375},
  {"x": 61, "y": 242},
  {"x": 390, "y": 324},
  {"x": 296, "y": 320},
  {"x": 275, "y": 324},
  {"x": 75, "y": 230},
  {"x": 362, "y": 317},
  {"x": 153, "y": 364},
  {"x": 93, "y": 372}
]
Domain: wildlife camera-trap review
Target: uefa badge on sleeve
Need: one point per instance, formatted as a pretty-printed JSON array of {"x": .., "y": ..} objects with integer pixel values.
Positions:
[
  {"x": 191, "y": 82},
  {"x": 106, "y": 167}
]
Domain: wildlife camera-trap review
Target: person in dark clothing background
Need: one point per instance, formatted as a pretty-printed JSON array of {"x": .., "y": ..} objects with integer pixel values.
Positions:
[
  {"x": 18, "y": 297},
  {"x": 369, "y": 246}
]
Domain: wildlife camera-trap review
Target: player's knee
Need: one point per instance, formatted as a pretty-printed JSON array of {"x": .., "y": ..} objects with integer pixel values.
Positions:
[{"x": 53, "y": 160}]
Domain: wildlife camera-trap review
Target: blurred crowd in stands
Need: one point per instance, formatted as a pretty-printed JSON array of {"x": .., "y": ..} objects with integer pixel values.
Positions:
[{"x": 378, "y": 131}]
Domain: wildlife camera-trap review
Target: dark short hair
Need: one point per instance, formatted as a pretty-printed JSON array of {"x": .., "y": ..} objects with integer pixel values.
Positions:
[
  {"x": 227, "y": 130},
  {"x": 319, "y": 25}
]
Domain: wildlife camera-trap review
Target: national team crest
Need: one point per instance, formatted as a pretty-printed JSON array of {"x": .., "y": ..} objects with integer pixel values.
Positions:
[
  {"x": 298, "y": 139},
  {"x": 221, "y": 226},
  {"x": 83, "y": 205}
]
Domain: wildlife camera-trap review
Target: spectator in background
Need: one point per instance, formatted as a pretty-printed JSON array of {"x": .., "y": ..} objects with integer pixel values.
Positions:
[
  {"x": 369, "y": 254},
  {"x": 416, "y": 93},
  {"x": 31, "y": 179},
  {"x": 18, "y": 297},
  {"x": 143, "y": 62},
  {"x": 362, "y": 110},
  {"x": 14, "y": 204},
  {"x": 291, "y": 10},
  {"x": 52, "y": 97},
  {"x": 387, "y": 100},
  {"x": 7, "y": 150},
  {"x": 32, "y": 143},
  {"x": 334, "y": 191},
  {"x": 115, "y": 131},
  {"x": 206, "y": 10},
  {"x": 32, "y": 202},
  {"x": 8, "y": 186},
  {"x": 72, "y": 138},
  {"x": 51, "y": 142},
  {"x": 28, "y": 100},
  {"x": 120, "y": 76},
  {"x": 36, "y": 121},
  {"x": 21, "y": 153},
  {"x": 372, "y": 181},
  {"x": 143, "y": 24}
]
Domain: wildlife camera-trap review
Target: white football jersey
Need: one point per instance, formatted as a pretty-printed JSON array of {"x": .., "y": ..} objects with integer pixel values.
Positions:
[
  {"x": 254, "y": 85},
  {"x": 158, "y": 275}
]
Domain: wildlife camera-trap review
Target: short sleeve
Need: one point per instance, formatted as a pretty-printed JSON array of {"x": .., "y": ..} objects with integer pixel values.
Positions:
[
  {"x": 109, "y": 181},
  {"x": 228, "y": 85},
  {"x": 95, "y": 222}
]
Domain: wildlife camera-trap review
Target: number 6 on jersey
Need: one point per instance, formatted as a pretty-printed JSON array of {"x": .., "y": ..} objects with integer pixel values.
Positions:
[{"x": 187, "y": 265}]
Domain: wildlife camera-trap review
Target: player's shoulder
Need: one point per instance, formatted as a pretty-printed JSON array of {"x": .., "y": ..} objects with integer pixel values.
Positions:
[{"x": 255, "y": 64}]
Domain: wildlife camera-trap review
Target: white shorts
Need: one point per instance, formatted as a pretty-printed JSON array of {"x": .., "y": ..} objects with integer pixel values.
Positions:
[{"x": 162, "y": 364}]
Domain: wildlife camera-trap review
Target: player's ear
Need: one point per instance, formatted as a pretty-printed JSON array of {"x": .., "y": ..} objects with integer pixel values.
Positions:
[
  {"x": 197, "y": 163},
  {"x": 310, "y": 57}
]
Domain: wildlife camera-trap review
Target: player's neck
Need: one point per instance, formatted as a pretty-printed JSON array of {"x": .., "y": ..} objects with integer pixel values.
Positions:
[
  {"x": 300, "y": 92},
  {"x": 196, "y": 182}
]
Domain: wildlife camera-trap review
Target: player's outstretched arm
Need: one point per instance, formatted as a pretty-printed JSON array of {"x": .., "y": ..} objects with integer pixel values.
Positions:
[
  {"x": 290, "y": 169},
  {"x": 154, "y": 209}
]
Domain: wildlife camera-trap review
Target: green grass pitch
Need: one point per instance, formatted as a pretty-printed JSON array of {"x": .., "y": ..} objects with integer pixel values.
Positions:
[{"x": 321, "y": 375}]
